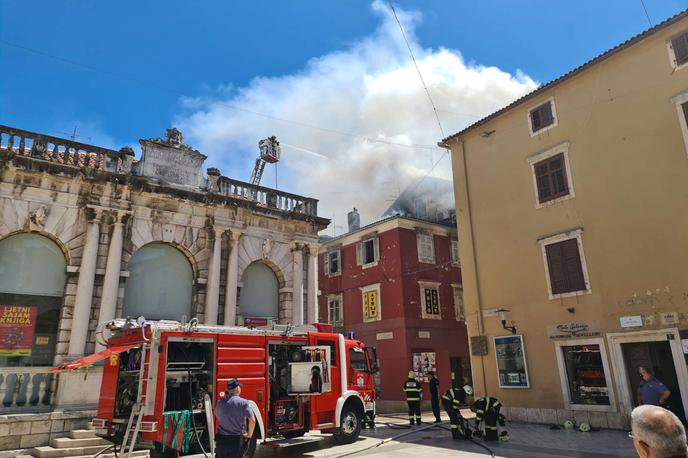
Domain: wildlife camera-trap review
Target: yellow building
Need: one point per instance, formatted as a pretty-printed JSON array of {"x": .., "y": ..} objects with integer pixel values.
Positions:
[{"x": 572, "y": 213}]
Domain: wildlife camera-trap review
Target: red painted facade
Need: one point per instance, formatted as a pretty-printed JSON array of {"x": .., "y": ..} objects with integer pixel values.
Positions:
[{"x": 398, "y": 271}]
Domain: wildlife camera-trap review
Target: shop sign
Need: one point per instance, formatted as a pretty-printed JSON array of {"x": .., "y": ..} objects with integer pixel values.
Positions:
[
  {"x": 423, "y": 363},
  {"x": 510, "y": 354},
  {"x": 384, "y": 335},
  {"x": 17, "y": 325},
  {"x": 668, "y": 318},
  {"x": 631, "y": 321},
  {"x": 423, "y": 334},
  {"x": 574, "y": 329},
  {"x": 479, "y": 345}
]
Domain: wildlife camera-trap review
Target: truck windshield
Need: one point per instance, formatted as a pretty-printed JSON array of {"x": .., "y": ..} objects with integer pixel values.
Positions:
[{"x": 358, "y": 360}]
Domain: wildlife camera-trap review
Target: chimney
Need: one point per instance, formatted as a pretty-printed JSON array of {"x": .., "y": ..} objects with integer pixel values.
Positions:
[{"x": 354, "y": 220}]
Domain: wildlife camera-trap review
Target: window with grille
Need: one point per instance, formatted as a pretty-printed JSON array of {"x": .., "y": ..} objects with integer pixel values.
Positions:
[
  {"x": 430, "y": 300},
  {"x": 368, "y": 252},
  {"x": 335, "y": 314},
  {"x": 459, "y": 311},
  {"x": 551, "y": 178},
  {"x": 679, "y": 47},
  {"x": 542, "y": 117},
  {"x": 455, "y": 252},
  {"x": 332, "y": 262},
  {"x": 426, "y": 248},
  {"x": 565, "y": 267}
]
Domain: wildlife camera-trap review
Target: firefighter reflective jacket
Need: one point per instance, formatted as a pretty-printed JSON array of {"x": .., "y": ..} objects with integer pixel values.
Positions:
[
  {"x": 487, "y": 410},
  {"x": 412, "y": 388},
  {"x": 456, "y": 396}
]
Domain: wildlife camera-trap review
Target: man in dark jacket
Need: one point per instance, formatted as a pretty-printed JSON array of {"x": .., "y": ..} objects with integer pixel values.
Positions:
[
  {"x": 413, "y": 391},
  {"x": 452, "y": 400},
  {"x": 435, "y": 396}
]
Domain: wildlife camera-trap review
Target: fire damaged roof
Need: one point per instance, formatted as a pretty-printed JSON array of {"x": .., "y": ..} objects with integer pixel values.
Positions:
[{"x": 596, "y": 60}]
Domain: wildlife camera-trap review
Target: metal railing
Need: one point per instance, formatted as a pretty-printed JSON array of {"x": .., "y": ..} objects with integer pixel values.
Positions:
[{"x": 26, "y": 389}]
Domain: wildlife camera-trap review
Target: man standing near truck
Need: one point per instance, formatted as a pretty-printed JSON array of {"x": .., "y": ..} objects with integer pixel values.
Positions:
[
  {"x": 232, "y": 412},
  {"x": 413, "y": 391}
]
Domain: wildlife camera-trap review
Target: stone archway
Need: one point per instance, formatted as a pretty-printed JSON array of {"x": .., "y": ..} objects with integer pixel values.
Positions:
[
  {"x": 259, "y": 294},
  {"x": 160, "y": 283}
]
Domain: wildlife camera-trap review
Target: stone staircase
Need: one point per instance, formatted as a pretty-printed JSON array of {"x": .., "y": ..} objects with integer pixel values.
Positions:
[{"x": 81, "y": 443}]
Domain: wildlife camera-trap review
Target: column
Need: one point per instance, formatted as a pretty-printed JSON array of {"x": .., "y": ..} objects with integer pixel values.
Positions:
[
  {"x": 312, "y": 296},
  {"x": 84, "y": 288},
  {"x": 212, "y": 291},
  {"x": 232, "y": 279},
  {"x": 108, "y": 301},
  {"x": 297, "y": 294}
]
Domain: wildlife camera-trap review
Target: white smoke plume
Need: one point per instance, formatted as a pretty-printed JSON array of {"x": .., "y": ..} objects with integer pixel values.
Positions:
[{"x": 356, "y": 126}]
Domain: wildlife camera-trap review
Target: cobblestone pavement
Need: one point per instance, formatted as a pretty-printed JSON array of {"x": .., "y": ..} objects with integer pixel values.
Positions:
[{"x": 527, "y": 441}]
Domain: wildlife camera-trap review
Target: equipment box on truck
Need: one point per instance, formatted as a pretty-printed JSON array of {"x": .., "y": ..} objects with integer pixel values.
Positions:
[{"x": 159, "y": 378}]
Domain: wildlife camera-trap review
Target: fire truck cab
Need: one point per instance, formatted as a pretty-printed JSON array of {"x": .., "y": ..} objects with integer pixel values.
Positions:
[{"x": 297, "y": 379}]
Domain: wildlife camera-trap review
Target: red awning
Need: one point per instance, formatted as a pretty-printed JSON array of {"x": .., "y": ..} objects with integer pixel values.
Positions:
[{"x": 94, "y": 358}]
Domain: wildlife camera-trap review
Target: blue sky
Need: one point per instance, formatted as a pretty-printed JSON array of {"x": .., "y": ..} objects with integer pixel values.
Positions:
[{"x": 339, "y": 67}]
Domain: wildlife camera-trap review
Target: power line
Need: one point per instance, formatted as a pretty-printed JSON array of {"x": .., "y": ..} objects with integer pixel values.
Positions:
[
  {"x": 413, "y": 58},
  {"x": 646, "y": 14},
  {"x": 233, "y": 106}
]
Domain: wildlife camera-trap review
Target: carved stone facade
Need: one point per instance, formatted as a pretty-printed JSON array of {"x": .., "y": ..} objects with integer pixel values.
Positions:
[{"x": 100, "y": 207}]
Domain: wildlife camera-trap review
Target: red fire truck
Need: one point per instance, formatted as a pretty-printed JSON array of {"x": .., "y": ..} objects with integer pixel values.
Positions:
[{"x": 297, "y": 379}]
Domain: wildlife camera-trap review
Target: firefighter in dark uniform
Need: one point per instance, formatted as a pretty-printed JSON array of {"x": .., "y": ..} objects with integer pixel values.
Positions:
[
  {"x": 413, "y": 391},
  {"x": 435, "y": 396},
  {"x": 452, "y": 400},
  {"x": 487, "y": 411}
]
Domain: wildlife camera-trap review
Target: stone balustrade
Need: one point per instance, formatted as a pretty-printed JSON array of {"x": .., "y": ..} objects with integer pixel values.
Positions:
[
  {"x": 58, "y": 150},
  {"x": 25, "y": 389},
  {"x": 268, "y": 197}
]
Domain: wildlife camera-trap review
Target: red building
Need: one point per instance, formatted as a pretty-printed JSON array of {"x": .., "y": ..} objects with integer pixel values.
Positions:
[{"x": 396, "y": 284}]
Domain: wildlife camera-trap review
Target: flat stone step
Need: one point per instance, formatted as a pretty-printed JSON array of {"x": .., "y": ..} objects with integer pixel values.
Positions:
[
  {"x": 68, "y": 442},
  {"x": 51, "y": 452},
  {"x": 82, "y": 433}
]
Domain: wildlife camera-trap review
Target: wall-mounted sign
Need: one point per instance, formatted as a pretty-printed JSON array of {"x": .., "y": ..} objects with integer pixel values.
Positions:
[
  {"x": 255, "y": 322},
  {"x": 631, "y": 321},
  {"x": 479, "y": 345},
  {"x": 423, "y": 334},
  {"x": 574, "y": 329},
  {"x": 668, "y": 318},
  {"x": 423, "y": 363},
  {"x": 510, "y": 354},
  {"x": 384, "y": 335},
  {"x": 17, "y": 325}
]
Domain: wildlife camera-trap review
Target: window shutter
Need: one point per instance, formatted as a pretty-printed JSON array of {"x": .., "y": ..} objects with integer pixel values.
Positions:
[
  {"x": 327, "y": 264},
  {"x": 680, "y": 45},
  {"x": 365, "y": 306},
  {"x": 359, "y": 253},
  {"x": 546, "y": 114},
  {"x": 376, "y": 249},
  {"x": 419, "y": 245},
  {"x": 572, "y": 264},
  {"x": 555, "y": 265},
  {"x": 535, "y": 120}
]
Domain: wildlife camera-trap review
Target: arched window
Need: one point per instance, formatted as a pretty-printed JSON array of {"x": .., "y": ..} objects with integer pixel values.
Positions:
[
  {"x": 159, "y": 284},
  {"x": 259, "y": 295},
  {"x": 32, "y": 281}
]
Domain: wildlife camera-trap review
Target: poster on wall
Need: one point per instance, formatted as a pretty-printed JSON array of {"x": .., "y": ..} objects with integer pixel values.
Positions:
[
  {"x": 511, "y": 362},
  {"x": 17, "y": 325},
  {"x": 423, "y": 363}
]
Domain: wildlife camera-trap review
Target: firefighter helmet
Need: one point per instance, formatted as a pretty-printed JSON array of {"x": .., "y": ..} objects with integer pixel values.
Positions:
[
  {"x": 568, "y": 424},
  {"x": 584, "y": 428},
  {"x": 468, "y": 389}
]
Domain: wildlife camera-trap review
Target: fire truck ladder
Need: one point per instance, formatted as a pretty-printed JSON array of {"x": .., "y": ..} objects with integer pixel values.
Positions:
[{"x": 137, "y": 410}]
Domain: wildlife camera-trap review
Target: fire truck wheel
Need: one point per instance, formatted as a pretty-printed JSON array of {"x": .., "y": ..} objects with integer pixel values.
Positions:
[{"x": 350, "y": 426}]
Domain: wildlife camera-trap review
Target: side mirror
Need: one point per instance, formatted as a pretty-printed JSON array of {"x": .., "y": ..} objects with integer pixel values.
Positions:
[{"x": 374, "y": 365}]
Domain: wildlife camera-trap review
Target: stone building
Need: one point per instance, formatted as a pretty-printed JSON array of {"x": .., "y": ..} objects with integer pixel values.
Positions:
[{"x": 88, "y": 234}]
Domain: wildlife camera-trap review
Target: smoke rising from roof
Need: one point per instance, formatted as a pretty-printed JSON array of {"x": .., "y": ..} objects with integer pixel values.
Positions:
[{"x": 371, "y": 114}]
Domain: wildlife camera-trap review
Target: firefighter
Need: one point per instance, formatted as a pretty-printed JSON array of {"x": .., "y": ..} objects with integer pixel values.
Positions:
[
  {"x": 435, "y": 396},
  {"x": 487, "y": 411},
  {"x": 414, "y": 392},
  {"x": 451, "y": 401}
]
